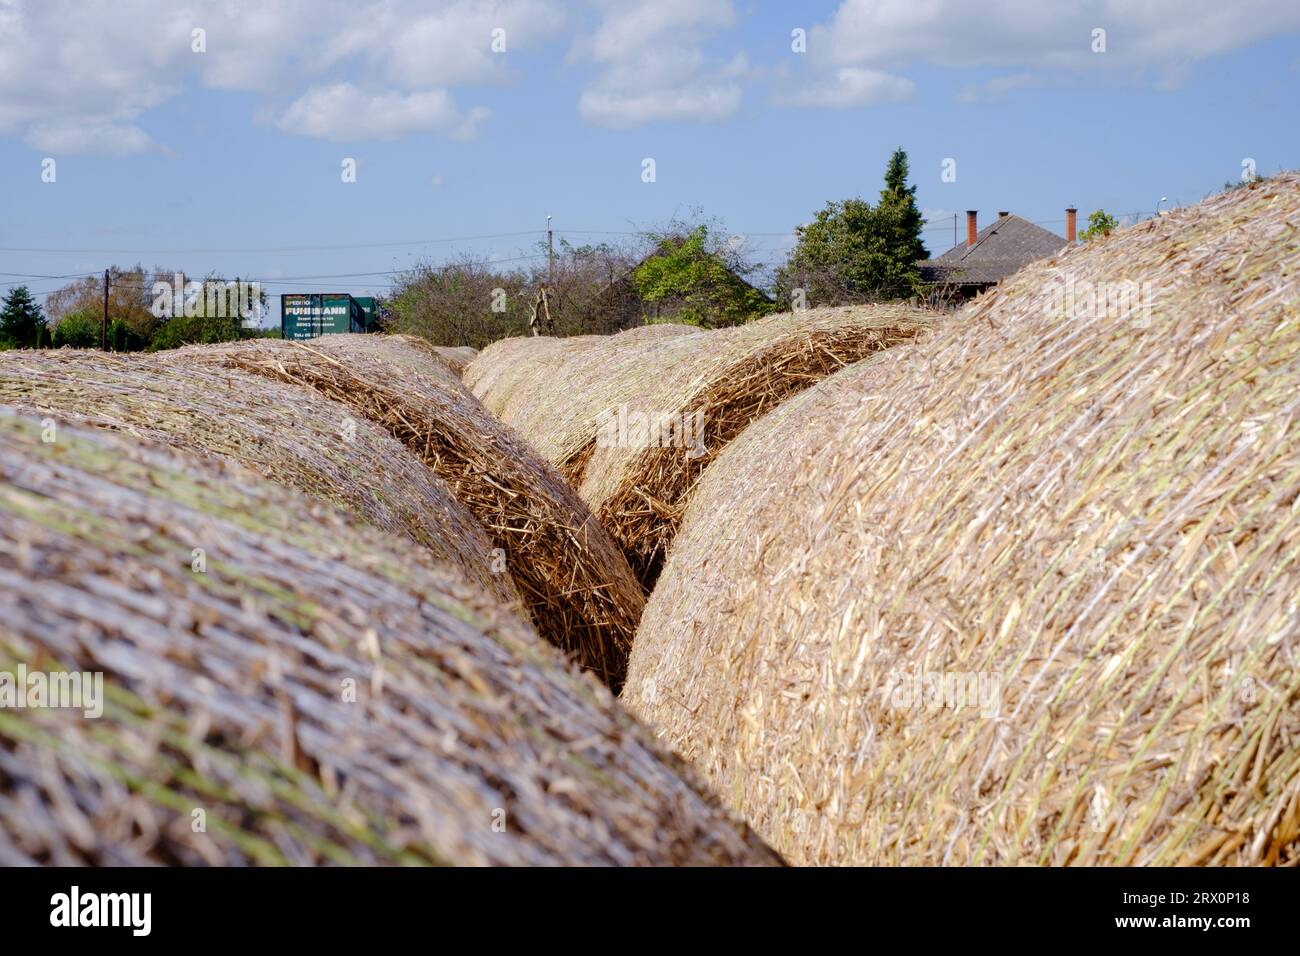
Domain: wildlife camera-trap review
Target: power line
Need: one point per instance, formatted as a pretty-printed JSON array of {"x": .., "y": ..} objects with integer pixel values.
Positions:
[
  {"x": 265, "y": 249},
  {"x": 937, "y": 223}
]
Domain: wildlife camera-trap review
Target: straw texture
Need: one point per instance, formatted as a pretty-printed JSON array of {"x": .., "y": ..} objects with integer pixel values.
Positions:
[
  {"x": 560, "y": 396},
  {"x": 1023, "y": 591},
  {"x": 319, "y": 693},
  {"x": 505, "y": 374},
  {"x": 457, "y": 357},
  {"x": 573, "y": 578},
  {"x": 283, "y": 433},
  {"x": 728, "y": 379}
]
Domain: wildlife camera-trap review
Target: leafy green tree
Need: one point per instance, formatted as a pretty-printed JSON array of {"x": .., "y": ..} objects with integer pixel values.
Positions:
[
  {"x": 690, "y": 280},
  {"x": 123, "y": 338},
  {"x": 1100, "y": 223},
  {"x": 78, "y": 330},
  {"x": 854, "y": 252},
  {"x": 22, "y": 321}
]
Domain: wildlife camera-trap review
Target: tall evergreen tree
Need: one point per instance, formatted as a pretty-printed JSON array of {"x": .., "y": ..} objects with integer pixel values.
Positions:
[
  {"x": 855, "y": 252},
  {"x": 898, "y": 204},
  {"x": 22, "y": 321}
]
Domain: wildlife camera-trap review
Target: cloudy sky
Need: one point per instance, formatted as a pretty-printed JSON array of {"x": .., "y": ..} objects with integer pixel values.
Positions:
[{"x": 213, "y": 136}]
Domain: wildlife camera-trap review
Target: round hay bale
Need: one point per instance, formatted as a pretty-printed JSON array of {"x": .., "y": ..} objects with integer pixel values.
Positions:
[
  {"x": 283, "y": 433},
  {"x": 418, "y": 350},
  {"x": 510, "y": 366},
  {"x": 499, "y": 370},
  {"x": 1023, "y": 591},
  {"x": 315, "y": 692},
  {"x": 691, "y": 400},
  {"x": 574, "y": 580},
  {"x": 457, "y": 357},
  {"x": 556, "y": 399}
]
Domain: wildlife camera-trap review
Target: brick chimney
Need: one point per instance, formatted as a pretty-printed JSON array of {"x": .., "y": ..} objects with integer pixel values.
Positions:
[
  {"x": 1002, "y": 214},
  {"x": 971, "y": 228},
  {"x": 1071, "y": 224}
]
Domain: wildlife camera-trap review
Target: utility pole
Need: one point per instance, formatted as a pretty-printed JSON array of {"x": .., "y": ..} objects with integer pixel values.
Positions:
[
  {"x": 550, "y": 254},
  {"x": 103, "y": 329}
]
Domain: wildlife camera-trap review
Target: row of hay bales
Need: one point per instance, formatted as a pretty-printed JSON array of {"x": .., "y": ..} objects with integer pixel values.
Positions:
[
  {"x": 573, "y": 400},
  {"x": 280, "y": 432},
  {"x": 284, "y": 684},
  {"x": 481, "y": 499},
  {"x": 1023, "y": 590}
]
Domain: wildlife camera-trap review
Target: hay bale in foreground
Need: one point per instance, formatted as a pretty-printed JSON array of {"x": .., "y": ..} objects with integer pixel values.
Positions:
[
  {"x": 322, "y": 692},
  {"x": 283, "y": 433},
  {"x": 573, "y": 578},
  {"x": 1024, "y": 591}
]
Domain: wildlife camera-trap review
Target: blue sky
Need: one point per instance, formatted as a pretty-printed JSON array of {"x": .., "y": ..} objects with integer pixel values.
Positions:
[{"x": 229, "y": 160}]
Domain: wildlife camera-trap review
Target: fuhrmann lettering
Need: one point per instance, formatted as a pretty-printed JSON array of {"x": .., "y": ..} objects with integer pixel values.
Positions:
[
  {"x": 73, "y": 690},
  {"x": 132, "y": 910}
]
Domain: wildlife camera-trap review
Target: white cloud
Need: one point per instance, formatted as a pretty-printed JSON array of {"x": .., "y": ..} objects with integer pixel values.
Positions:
[
  {"x": 622, "y": 110},
  {"x": 859, "y": 57},
  {"x": 69, "y": 138},
  {"x": 654, "y": 67},
  {"x": 850, "y": 86},
  {"x": 342, "y": 112},
  {"x": 628, "y": 28},
  {"x": 418, "y": 44},
  {"x": 892, "y": 34},
  {"x": 65, "y": 64}
]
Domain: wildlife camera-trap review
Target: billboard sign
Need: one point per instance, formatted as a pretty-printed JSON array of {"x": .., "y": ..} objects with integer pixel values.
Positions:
[{"x": 307, "y": 315}]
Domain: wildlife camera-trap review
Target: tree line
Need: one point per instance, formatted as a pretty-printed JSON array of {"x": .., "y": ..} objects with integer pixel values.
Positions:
[
  {"x": 73, "y": 315},
  {"x": 692, "y": 271}
]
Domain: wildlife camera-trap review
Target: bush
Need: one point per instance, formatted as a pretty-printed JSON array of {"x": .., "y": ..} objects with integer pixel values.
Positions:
[
  {"x": 688, "y": 279},
  {"x": 78, "y": 330}
]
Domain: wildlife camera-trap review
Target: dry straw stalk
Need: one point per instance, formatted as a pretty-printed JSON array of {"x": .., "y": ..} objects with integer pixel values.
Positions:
[
  {"x": 573, "y": 578},
  {"x": 321, "y": 691},
  {"x": 1023, "y": 591}
]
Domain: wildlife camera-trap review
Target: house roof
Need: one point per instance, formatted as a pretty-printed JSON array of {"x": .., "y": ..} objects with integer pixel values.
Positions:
[{"x": 1000, "y": 249}]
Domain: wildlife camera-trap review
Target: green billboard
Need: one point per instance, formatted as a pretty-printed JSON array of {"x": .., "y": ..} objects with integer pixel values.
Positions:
[{"x": 307, "y": 315}]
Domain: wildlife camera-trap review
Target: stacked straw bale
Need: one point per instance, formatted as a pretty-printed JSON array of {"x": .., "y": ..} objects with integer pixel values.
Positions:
[
  {"x": 283, "y": 433},
  {"x": 560, "y": 399},
  {"x": 1023, "y": 591},
  {"x": 574, "y": 580},
  {"x": 319, "y": 692}
]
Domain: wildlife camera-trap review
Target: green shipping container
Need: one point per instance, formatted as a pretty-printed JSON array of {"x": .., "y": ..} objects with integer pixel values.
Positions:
[
  {"x": 370, "y": 308},
  {"x": 307, "y": 315}
]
